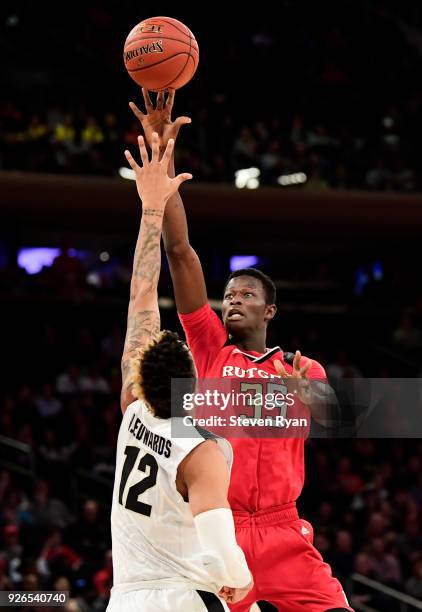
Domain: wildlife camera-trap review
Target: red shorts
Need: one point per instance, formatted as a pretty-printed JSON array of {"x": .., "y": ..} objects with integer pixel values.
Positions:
[{"x": 288, "y": 571}]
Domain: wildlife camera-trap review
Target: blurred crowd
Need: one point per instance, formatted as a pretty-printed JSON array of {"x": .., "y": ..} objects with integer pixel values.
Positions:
[
  {"x": 383, "y": 296},
  {"x": 364, "y": 497},
  {"x": 305, "y": 92},
  {"x": 61, "y": 140}
]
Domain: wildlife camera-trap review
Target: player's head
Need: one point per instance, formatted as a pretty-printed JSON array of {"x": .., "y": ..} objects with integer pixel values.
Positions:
[
  {"x": 166, "y": 357},
  {"x": 248, "y": 303}
]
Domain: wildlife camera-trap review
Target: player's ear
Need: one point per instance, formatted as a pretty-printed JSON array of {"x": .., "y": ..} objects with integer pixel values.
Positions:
[{"x": 270, "y": 311}]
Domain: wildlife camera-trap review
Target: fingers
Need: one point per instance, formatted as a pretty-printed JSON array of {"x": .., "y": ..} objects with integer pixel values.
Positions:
[
  {"x": 155, "y": 147},
  {"x": 182, "y": 120},
  {"x": 132, "y": 162},
  {"x": 143, "y": 150},
  {"x": 228, "y": 594},
  {"x": 135, "y": 110},
  {"x": 168, "y": 153},
  {"x": 148, "y": 104},
  {"x": 225, "y": 593},
  {"x": 170, "y": 100},
  {"x": 160, "y": 101},
  {"x": 279, "y": 368},
  {"x": 296, "y": 361},
  {"x": 179, "y": 122},
  {"x": 298, "y": 370},
  {"x": 181, "y": 178}
]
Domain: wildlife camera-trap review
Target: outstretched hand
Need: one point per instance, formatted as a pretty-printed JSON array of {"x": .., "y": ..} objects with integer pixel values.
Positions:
[
  {"x": 154, "y": 185},
  {"x": 300, "y": 373},
  {"x": 158, "y": 119}
]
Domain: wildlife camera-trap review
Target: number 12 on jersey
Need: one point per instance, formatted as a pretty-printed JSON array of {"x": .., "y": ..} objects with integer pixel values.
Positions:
[{"x": 132, "y": 497}]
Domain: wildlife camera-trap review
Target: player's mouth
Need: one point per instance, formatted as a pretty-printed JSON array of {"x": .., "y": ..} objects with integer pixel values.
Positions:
[{"x": 234, "y": 315}]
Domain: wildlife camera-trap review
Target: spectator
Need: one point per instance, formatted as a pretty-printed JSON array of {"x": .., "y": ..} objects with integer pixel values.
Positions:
[
  {"x": 103, "y": 579},
  {"x": 69, "y": 381},
  {"x": 94, "y": 382},
  {"x": 349, "y": 482},
  {"x": 342, "y": 367},
  {"x": 48, "y": 511},
  {"x": 409, "y": 543},
  {"x": 47, "y": 404},
  {"x": 5, "y": 583},
  {"x": 245, "y": 149},
  {"x": 407, "y": 336},
  {"x": 385, "y": 565},
  {"x": 90, "y": 534},
  {"x": 57, "y": 557},
  {"x": 13, "y": 552},
  {"x": 112, "y": 344},
  {"x": 342, "y": 557}
]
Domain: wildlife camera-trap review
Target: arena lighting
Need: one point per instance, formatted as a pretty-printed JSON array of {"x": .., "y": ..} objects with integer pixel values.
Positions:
[
  {"x": 377, "y": 271},
  {"x": 33, "y": 259},
  {"x": 237, "y": 262},
  {"x": 127, "y": 173},
  {"x": 292, "y": 179},
  {"x": 94, "y": 279},
  {"x": 247, "y": 178},
  {"x": 12, "y": 21}
]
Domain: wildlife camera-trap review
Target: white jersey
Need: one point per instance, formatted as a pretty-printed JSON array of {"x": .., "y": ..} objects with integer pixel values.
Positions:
[{"x": 154, "y": 539}]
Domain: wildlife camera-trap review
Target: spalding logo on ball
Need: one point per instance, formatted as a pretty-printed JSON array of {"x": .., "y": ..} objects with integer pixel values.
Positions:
[{"x": 161, "y": 53}]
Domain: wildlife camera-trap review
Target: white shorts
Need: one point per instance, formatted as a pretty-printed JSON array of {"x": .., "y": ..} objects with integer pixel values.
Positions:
[{"x": 166, "y": 600}]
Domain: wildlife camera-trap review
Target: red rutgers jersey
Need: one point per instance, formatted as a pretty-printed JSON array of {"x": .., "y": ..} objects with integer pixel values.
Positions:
[{"x": 266, "y": 472}]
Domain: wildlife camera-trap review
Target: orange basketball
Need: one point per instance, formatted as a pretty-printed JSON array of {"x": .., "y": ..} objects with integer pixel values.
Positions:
[{"x": 161, "y": 53}]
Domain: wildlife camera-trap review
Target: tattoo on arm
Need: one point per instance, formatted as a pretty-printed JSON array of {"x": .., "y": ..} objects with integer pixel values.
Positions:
[
  {"x": 141, "y": 327},
  {"x": 153, "y": 212},
  {"x": 143, "y": 321},
  {"x": 147, "y": 261}
]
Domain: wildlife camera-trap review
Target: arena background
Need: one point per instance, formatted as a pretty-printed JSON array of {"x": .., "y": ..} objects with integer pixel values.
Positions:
[{"x": 325, "y": 100}]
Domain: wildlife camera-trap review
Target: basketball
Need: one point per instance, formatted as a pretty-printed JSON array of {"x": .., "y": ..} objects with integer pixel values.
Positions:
[{"x": 161, "y": 53}]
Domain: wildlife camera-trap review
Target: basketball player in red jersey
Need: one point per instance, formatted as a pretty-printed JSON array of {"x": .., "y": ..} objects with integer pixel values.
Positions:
[{"x": 268, "y": 474}]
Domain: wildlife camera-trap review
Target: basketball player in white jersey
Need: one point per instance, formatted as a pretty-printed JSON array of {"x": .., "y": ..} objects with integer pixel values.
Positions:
[{"x": 174, "y": 545}]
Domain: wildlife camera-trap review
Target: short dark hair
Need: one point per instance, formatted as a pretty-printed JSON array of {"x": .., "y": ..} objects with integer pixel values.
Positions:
[
  {"x": 269, "y": 287},
  {"x": 165, "y": 358}
]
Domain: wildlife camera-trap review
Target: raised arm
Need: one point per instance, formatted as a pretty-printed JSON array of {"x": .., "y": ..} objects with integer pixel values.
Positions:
[
  {"x": 185, "y": 267},
  {"x": 155, "y": 188}
]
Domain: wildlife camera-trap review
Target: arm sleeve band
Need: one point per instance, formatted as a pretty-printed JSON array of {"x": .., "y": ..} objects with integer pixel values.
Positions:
[{"x": 222, "y": 556}]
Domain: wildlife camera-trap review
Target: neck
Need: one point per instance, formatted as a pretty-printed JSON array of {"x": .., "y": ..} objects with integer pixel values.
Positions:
[{"x": 254, "y": 342}]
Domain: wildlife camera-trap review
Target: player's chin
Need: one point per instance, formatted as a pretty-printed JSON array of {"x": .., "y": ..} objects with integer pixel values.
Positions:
[{"x": 236, "y": 325}]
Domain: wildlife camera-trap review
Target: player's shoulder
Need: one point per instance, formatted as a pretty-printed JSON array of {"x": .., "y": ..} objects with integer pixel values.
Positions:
[
  {"x": 204, "y": 457},
  {"x": 204, "y": 312},
  {"x": 188, "y": 443},
  {"x": 207, "y": 445},
  {"x": 228, "y": 349}
]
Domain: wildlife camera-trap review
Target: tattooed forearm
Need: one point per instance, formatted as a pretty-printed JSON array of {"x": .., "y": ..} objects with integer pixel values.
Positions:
[
  {"x": 140, "y": 328},
  {"x": 147, "y": 260},
  {"x": 143, "y": 321}
]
